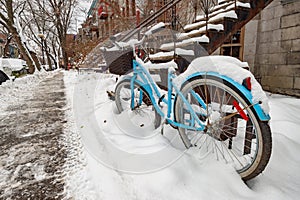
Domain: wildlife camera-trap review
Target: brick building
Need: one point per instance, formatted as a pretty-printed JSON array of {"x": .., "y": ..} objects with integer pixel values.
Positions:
[{"x": 108, "y": 17}]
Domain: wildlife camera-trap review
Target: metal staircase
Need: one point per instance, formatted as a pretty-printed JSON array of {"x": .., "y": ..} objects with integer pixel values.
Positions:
[
  {"x": 232, "y": 26},
  {"x": 224, "y": 20}
]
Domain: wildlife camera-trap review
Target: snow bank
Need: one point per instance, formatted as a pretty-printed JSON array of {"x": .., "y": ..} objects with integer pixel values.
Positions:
[
  {"x": 9, "y": 90},
  {"x": 190, "y": 177},
  {"x": 77, "y": 184}
]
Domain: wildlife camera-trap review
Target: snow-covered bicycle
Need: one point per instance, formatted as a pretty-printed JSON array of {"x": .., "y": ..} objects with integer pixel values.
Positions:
[{"x": 217, "y": 106}]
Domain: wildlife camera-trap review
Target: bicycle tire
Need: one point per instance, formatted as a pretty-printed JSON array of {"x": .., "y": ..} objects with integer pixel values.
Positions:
[
  {"x": 248, "y": 148},
  {"x": 146, "y": 110}
]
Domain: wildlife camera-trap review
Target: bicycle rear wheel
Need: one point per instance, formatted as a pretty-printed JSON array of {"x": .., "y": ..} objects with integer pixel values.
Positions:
[
  {"x": 237, "y": 138},
  {"x": 143, "y": 113}
]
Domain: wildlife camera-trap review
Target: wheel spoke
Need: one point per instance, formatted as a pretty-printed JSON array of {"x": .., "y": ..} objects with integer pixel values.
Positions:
[
  {"x": 143, "y": 110},
  {"x": 227, "y": 136}
]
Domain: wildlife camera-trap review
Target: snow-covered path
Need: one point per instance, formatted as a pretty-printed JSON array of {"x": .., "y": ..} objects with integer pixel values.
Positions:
[
  {"x": 32, "y": 154},
  {"x": 124, "y": 167},
  {"x": 38, "y": 149}
]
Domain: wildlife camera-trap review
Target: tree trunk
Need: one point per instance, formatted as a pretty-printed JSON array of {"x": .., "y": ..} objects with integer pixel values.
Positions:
[
  {"x": 36, "y": 60},
  {"x": 47, "y": 55},
  {"x": 23, "y": 51},
  {"x": 65, "y": 57},
  {"x": 9, "y": 38},
  {"x": 12, "y": 28},
  {"x": 63, "y": 42}
]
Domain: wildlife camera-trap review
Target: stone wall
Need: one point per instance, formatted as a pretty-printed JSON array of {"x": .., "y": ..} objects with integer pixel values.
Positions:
[{"x": 272, "y": 47}]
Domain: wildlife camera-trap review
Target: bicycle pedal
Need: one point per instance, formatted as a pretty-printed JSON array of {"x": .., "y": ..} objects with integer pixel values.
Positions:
[{"x": 111, "y": 95}]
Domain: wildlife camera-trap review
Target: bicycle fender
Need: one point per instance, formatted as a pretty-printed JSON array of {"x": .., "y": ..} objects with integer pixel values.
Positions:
[{"x": 238, "y": 87}]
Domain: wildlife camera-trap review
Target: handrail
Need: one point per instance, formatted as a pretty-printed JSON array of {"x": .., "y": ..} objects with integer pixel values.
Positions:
[{"x": 150, "y": 19}]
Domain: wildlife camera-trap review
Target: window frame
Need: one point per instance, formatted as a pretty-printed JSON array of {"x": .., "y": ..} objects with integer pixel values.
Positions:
[{"x": 240, "y": 44}]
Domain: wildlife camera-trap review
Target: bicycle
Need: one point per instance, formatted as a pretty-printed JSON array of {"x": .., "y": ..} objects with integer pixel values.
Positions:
[{"x": 213, "y": 113}]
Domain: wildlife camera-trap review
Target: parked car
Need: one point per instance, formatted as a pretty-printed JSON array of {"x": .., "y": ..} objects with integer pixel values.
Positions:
[
  {"x": 13, "y": 66},
  {"x": 3, "y": 77}
]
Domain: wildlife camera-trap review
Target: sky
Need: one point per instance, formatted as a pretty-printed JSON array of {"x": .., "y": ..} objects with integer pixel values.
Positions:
[{"x": 80, "y": 15}]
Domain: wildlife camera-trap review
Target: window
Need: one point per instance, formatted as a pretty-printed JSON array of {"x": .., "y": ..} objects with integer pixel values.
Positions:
[{"x": 234, "y": 46}]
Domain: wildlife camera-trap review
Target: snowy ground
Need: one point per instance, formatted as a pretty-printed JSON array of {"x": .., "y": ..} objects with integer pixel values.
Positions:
[
  {"x": 122, "y": 165},
  {"x": 60, "y": 139}
]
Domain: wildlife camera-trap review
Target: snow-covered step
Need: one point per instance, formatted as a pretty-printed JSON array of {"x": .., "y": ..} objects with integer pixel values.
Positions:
[
  {"x": 200, "y": 31},
  {"x": 215, "y": 10},
  {"x": 228, "y": 3},
  {"x": 220, "y": 2},
  {"x": 184, "y": 43},
  {"x": 230, "y": 14},
  {"x": 222, "y": 9},
  {"x": 195, "y": 25},
  {"x": 221, "y": 6},
  {"x": 226, "y": 9},
  {"x": 213, "y": 20},
  {"x": 163, "y": 56}
]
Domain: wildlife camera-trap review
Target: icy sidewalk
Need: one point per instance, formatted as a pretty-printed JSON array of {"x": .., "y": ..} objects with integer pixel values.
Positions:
[{"x": 34, "y": 146}]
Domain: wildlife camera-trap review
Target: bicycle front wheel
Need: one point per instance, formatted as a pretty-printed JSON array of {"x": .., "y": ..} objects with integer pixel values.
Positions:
[
  {"x": 143, "y": 113},
  {"x": 237, "y": 138}
]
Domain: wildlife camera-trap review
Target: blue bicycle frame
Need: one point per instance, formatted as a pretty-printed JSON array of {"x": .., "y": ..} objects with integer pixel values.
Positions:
[{"x": 144, "y": 79}]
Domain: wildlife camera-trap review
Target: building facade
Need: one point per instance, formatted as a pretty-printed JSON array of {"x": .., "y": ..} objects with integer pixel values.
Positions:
[
  {"x": 12, "y": 50},
  {"x": 272, "y": 47},
  {"x": 109, "y": 17}
]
